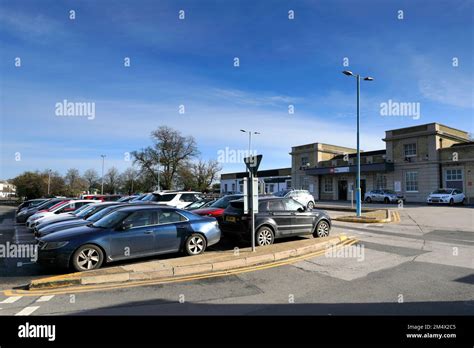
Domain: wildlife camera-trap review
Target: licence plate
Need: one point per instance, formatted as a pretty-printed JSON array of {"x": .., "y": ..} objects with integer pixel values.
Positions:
[{"x": 230, "y": 218}]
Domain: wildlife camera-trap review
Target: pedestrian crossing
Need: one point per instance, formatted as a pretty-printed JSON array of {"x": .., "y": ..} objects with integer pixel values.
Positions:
[{"x": 23, "y": 305}]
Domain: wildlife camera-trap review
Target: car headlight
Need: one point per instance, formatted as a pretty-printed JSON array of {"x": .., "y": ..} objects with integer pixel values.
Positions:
[
  {"x": 22, "y": 212},
  {"x": 53, "y": 245}
]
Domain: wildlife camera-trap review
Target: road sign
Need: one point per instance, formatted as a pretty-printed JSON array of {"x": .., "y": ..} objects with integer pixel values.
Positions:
[{"x": 252, "y": 163}]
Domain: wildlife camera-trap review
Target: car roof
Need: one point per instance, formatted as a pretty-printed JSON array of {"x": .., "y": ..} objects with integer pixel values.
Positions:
[
  {"x": 172, "y": 192},
  {"x": 145, "y": 207}
]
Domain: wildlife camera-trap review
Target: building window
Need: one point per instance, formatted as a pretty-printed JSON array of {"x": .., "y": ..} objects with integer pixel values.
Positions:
[
  {"x": 304, "y": 161},
  {"x": 288, "y": 184},
  {"x": 454, "y": 179},
  {"x": 328, "y": 184},
  {"x": 233, "y": 187},
  {"x": 225, "y": 187},
  {"x": 411, "y": 181},
  {"x": 381, "y": 182},
  {"x": 410, "y": 150}
]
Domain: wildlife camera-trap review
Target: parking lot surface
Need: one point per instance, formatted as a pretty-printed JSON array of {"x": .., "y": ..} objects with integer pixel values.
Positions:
[{"x": 422, "y": 265}]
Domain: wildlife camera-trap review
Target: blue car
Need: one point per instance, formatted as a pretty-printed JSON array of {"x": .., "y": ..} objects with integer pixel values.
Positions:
[{"x": 127, "y": 233}]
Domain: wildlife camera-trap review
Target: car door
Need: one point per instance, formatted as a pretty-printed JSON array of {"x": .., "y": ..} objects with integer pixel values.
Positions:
[
  {"x": 137, "y": 240},
  {"x": 301, "y": 219},
  {"x": 458, "y": 196},
  {"x": 376, "y": 196},
  {"x": 283, "y": 218},
  {"x": 171, "y": 230}
]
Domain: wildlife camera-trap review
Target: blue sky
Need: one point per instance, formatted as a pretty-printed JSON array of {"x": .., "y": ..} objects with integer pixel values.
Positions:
[{"x": 190, "y": 62}]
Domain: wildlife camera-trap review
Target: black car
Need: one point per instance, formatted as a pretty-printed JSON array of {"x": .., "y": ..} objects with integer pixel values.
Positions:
[
  {"x": 276, "y": 218},
  {"x": 23, "y": 215},
  {"x": 30, "y": 203}
]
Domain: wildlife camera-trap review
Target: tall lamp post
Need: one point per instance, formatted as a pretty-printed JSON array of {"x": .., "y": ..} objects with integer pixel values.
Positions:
[
  {"x": 49, "y": 181},
  {"x": 358, "y": 191},
  {"x": 250, "y": 137},
  {"x": 102, "y": 186}
]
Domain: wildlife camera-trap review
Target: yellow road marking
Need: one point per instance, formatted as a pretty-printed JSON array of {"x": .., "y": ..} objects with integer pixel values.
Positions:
[{"x": 90, "y": 288}]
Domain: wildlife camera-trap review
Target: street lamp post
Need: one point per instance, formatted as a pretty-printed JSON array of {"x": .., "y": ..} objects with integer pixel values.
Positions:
[
  {"x": 102, "y": 186},
  {"x": 358, "y": 190},
  {"x": 49, "y": 181}
]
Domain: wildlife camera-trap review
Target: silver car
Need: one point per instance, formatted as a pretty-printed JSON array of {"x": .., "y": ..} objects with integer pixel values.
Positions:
[
  {"x": 385, "y": 196},
  {"x": 302, "y": 196}
]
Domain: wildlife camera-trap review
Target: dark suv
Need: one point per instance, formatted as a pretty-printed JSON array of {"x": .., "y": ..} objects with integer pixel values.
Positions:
[{"x": 276, "y": 218}]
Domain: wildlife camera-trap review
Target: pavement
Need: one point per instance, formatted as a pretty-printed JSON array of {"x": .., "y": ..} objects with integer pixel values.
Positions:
[{"x": 421, "y": 265}]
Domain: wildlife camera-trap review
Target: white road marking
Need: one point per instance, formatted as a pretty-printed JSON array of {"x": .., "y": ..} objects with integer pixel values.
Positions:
[
  {"x": 45, "y": 298},
  {"x": 27, "y": 310},
  {"x": 11, "y": 299}
]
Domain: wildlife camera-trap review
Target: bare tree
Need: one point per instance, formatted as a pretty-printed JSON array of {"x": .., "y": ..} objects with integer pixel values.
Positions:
[
  {"x": 111, "y": 179},
  {"x": 91, "y": 176},
  {"x": 170, "y": 150}
]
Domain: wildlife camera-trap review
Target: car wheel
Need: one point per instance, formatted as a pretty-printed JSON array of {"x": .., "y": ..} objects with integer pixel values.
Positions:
[
  {"x": 451, "y": 201},
  {"x": 322, "y": 229},
  {"x": 310, "y": 205},
  {"x": 386, "y": 200},
  {"x": 463, "y": 201},
  {"x": 87, "y": 257},
  {"x": 195, "y": 244},
  {"x": 264, "y": 236},
  {"x": 368, "y": 200}
]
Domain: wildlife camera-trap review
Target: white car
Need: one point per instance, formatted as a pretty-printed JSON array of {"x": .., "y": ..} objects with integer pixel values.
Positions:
[
  {"x": 446, "y": 196},
  {"x": 302, "y": 196},
  {"x": 177, "y": 199},
  {"x": 65, "y": 207}
]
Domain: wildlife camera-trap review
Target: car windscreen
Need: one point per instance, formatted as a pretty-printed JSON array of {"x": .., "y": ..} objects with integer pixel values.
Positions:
[
  {"x": 223, "y": 202},
  {"x": 100, "y": 214},
  {"x": 442, "y": 192},
  {"x": 90, "y": 208},
  {"x": 111, "y": 220},
  {"x": 281, "y": 193},
  {"x": 162, "y": 197},
  {"x": 81, "y": 209}
]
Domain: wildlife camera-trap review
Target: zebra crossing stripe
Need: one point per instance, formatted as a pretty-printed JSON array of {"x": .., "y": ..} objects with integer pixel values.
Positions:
[
  {"x": 27, "y": 310},
  {"x": 11, "y": 299},
  {"x": 45, "y": 298}
]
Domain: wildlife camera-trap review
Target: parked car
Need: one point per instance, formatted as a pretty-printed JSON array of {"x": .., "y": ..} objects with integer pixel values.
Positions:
[
  {"x": 177, "y": 199},
  {"x": 446, "y": 196},
  {"x": 64, "y": 207},
  {"x": 140, "y": 197},
  {"x": 302, "y": 196},
  {"x": 127, "y": 198},
  {"x": 79, "y": 214},
  {"x": 202, "y": 203},
  {"x": 385, "y": 196},
  {"x": 23, "y": 215},
  {"x": 30, "y": 203},
  {"x": 107, "y": 208},
  {"x": 142, "y": 230},
  {"x": 217, "y": 208},
  {"x": 277, "y": 217}
]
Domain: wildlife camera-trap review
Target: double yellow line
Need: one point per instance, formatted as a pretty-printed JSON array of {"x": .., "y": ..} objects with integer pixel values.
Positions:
[{"x": 90, "y": 288}]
